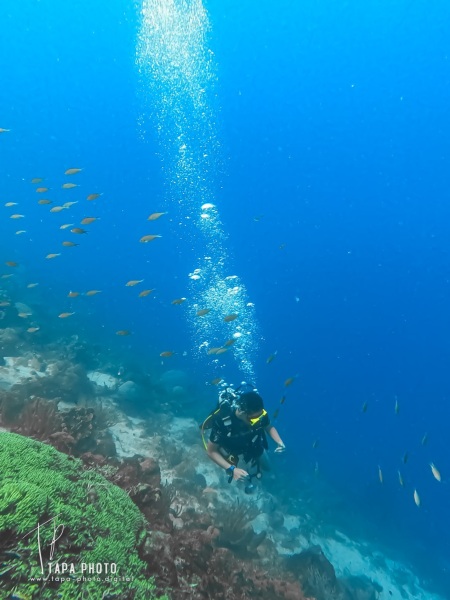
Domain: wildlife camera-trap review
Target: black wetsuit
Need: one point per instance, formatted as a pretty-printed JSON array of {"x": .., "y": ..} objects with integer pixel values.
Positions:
[{"x": 236, "y": 437}]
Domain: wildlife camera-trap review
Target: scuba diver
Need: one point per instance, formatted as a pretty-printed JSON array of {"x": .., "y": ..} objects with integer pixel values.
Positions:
[{"x": 238, "y": 429}]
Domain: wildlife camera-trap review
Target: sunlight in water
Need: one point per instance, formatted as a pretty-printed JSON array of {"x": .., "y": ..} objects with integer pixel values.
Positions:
[{"x": 178, "y": 78}]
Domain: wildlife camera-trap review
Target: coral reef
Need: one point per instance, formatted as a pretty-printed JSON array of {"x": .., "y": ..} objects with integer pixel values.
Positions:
[{"x": 97, "y": 524}]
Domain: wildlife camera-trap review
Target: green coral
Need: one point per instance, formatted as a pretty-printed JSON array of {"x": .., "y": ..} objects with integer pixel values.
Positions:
[{"x": 101, "y": 525}]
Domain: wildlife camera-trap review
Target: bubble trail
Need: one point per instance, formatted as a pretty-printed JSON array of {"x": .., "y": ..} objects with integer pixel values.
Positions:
[{"x": 178, "y": 76}]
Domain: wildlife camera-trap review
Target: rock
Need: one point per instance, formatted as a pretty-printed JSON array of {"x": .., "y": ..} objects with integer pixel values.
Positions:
[
  {"x": 103, "y": 380},
  {"x": 130, "y": 391}
]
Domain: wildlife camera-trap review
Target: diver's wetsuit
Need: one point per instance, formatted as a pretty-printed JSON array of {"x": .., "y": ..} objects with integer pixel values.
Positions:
[{"x": 235, "y": 437}]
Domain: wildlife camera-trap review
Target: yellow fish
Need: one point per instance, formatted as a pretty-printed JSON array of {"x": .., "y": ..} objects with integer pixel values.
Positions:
[
  {"x": 400, "y": 479},
  {"x": 41, "y": 190},
  {"x": 133, "y": 282},
  {"x": 93, "y": 197},
  {"x": 69, "y": 204},
  {"x": 230, "y": 342},
  {"x": 380, "y": 474},
  {"x": 145, "y": 293},
  {"x": 64, "y": 315},
  {"x": 230, "y": 318},
  {"x": 416, "y": 498},
  {"x": 69, "y": 186},
  {"x": 435, "y": 472},
  {"x": 37, "y": 180},
  {"x": 44, "y": 201},
  {"x": 148, "y": 238},
  {"x": 11, "y": 204},
  {"x": 73, "y": 294},
  {"x": 202, "y": 312},
  {"x": 56, "y": 209},
  {"x": 11, "y": 263},
  {"x": 88, "y": 220},
  {"x": 53, "y": 255},
  {"x": 72, "y": 171},
  {"x": 221, "y": 350},
  {"x": 166, "y": 354},
  {"x": 271, "y": 357},
  {"x": 123, "y": 332},
  {"x": 33, "y": 329},
  {"x": 78, "y": 230},
  {"x": 69, "y": 244},
  {"x": 179, "y": 301},
  {"x": 290, "y": 380},
  {"x": 17, "y": 216},
  {"x": 93, "y": 292},
  {"x": 32, "y": 285},
  {"x": 214, "y": 350},
  {"x": 155, "y": 216},
  {"x": 66, "y": 225}
]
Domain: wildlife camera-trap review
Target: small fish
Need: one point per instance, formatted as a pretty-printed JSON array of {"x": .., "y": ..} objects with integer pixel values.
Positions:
[
  {"x": 7, "y": 276},
  {"x": 42, "y": 190},
  {"x": 32, "y": 285},
  {"x": 73, "y": 294},
  {"x": 123, "y": 332},
  {"x": 2, "y": 130},
  {"x": 53, "y": 255},
  {"x": 93, "y": 292},
  {"x": 69, "y": 186},
  {"x": 216, "y": 381},
  {"x": 133, "y": 282},
  {"x": 155, "y": 216},
  {"x": 405, "y": 458},
  {"x": 222, "y": 350},
  {"x": 283, "y": 399},
  {"x": 78, "y": 230},
  {"x": 33, "y": 329},
  {"x": 88, "y": 220},
  {"x": 57, "y": 209},
  {"x": 214, "y": 350},
  {"x": 44, "y": 201},
  {"x": 166, "y": 354},
  {"x": 271, "y": 357},
  {"x": 396, "y": 407},
  {"x": 15, "y": 216},
  {"x": 4, "y": 303},
  {"x": 230, "y": 318},
  {"x": 69, "y": 244},
  {"x": 72, "y": 171},
  {"x": 316, "y": 468},
  {"x": 435, "y": 472},
  {"x": 380, "y": 474},
  {"x": 24, "y": 315},
  {"x": 145, "y": 293},
  {"x": 202, "y": 312},
  {"x": 64, "y": 315},
  {"x": 416, "y": 498},
  {"x": 364, "y": 407},
  {"x": 315, "y": 444},
  {"x": 178, "y": 301},
  {"x": 276, "y": 413},
  {"x": 11, "y": 263},
  {"x": 20, "y": 231},
  {"x": 230, "y": 342},
  {"x": 290, "y": 380},
  {"x": 66, "y": 225},
  {"x": 400, "y": 479},
  {"x": 11, "y": 204},
  {"x": 37, "y": 180},
  {"x": 69, "y": 204},
  {"x": 93, "y": 197},
  {"x": 424, "y": 439},
  {"x": 148, "y": 238}
]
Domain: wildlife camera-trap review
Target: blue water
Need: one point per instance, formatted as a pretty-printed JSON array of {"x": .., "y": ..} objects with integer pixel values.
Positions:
[{"x": 334, "y": 194}]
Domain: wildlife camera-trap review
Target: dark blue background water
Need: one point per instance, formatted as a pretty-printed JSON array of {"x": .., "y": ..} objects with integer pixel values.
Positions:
[{"x": 334, "y": 128}]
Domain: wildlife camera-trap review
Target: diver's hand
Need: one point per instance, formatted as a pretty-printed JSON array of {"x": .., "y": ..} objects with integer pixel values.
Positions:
[
  {"x": 280, "y": 448},
  {"x": 239, "y": 474}
]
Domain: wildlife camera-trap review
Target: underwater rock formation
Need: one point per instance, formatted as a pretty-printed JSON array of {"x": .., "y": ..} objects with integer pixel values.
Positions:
[{"x": 97, "y": 523}]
